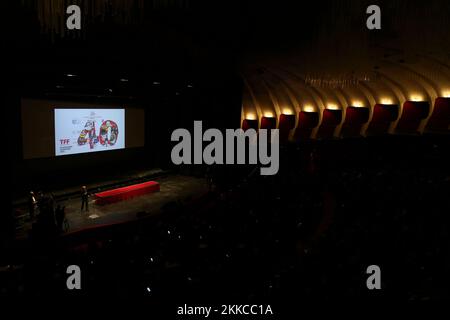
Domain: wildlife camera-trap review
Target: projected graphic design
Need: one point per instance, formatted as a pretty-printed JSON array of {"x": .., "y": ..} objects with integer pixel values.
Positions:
[{"x": 89, "y": 130}]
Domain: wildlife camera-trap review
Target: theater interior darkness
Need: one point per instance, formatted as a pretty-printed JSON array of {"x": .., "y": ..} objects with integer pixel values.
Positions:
[{"x": 359, "y": 208}]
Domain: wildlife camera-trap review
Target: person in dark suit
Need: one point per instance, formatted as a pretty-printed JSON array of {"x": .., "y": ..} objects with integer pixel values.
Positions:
[{"x": 84, "y": 199}]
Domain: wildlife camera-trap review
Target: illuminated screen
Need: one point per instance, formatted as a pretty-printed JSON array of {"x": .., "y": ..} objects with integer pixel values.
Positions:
[{"x": 88, "y": 130}]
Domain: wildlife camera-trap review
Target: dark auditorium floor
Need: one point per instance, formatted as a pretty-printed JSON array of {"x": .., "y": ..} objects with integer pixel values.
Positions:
[
  {"x": 173, "y": 188},
  {"x": 309, "y": 232}
]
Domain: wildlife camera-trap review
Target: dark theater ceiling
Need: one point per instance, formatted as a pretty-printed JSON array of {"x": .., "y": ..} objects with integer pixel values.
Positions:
[{"x": 290, "y": 57}]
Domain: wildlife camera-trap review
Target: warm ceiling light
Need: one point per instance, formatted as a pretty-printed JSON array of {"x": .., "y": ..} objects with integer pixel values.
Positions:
[
  {"x": 268, "y": 114},
  {"x": 308, "y": 109},
  {"x": 250, "y": 116},
  {"x": 386, "y": 101},
  {"x": 332, "y": 106},
  {"x": 357, "y": 104},
  {"x": 446, "y": 93},
  {"x": 416, "y": 97},
  {"x": 287, "y": 111}
]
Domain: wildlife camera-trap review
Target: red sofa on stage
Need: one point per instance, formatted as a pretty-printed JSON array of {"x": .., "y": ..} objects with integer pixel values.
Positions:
[{"x": 124, "y": 193}]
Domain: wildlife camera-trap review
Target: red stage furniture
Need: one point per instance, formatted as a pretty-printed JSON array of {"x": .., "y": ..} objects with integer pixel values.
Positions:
[{"x": 124, "y": 193}]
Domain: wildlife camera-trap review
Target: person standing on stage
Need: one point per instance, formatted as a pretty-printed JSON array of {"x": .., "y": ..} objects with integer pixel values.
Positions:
[
  {"x": 32, "y": 204},
  {"x": 84, "y": 198}
]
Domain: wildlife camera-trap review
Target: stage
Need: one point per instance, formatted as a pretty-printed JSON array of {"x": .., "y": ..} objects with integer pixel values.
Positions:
[
  {"x": 126, "y": 193},
  {"x": 172, "y": 188}
]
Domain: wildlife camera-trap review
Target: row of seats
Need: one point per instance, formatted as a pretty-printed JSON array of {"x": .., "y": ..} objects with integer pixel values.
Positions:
[{"x": 383, "y": 118}]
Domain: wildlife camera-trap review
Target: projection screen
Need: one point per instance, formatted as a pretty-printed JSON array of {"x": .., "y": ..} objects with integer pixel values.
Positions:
[
  {"x": 57, "y": 128},
  {"x": 88, "y": 130}
]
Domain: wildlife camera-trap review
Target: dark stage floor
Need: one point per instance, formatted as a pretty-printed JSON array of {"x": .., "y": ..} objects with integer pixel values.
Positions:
[{"x": 173, "y": 188}]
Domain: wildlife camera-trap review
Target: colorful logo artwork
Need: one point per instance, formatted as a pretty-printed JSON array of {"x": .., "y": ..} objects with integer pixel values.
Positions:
[
  {"x": 89, "y": 130},
  {"x": 109, "y": 132}
]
